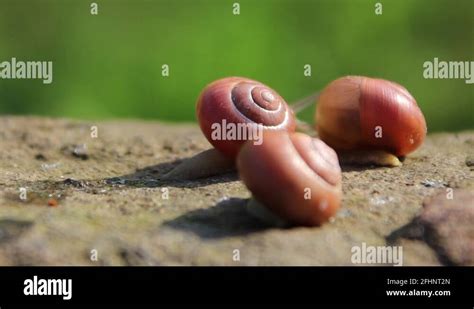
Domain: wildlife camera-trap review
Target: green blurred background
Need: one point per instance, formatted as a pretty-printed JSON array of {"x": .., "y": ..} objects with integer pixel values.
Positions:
[{"x": 109, "y": 65}]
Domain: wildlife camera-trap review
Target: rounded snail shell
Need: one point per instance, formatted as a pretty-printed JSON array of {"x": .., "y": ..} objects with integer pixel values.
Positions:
[
  {"x": 356, "y": 112},
  {"x": 238, "y": 100},
  {"x": 296, "y": 177}
]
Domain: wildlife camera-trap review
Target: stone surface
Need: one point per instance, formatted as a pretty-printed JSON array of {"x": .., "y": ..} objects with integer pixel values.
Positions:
[
  {"x": 102, "y": 195},
  {"x": 448, "y": 222}
]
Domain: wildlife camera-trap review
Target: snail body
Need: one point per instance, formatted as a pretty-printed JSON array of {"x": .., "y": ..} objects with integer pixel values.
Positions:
[
  {"x": 362, "y": 113},
  {"x": 296, "y": 177},
  {"x": 237, "y": 103}
]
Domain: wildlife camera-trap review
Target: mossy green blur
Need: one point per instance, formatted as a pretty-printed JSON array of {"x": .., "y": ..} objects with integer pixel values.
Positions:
[{"x": 109, "y": 65}]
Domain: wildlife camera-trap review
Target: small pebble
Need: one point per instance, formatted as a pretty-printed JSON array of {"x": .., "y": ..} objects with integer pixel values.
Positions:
[
  {"x": 381, "y": 200},
  {"x": 48, "y": 167},
  {"x": 116, "y": 181},
  {"x": 40, "y": 157},
  {"x": 80, "y": 151},
  {"x": 77, "y": 151},
  {"x": 52, "y": 202},
  {"x": 433, "y": 183},
  {"x": 74, "y": 183},
  {"x": 470, "y": 161}
]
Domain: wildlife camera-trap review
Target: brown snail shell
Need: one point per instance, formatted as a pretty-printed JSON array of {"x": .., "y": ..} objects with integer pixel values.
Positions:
[
  {"x": 296, "y": 177},
  {"x": 238, "y": 100},
  {"x": 356, "y": 112}
]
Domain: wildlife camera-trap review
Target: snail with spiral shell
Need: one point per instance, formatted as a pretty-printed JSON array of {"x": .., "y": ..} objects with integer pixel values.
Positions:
[
  {"x": 235, "y": 102},
  {"x": 238, "y": 100}
]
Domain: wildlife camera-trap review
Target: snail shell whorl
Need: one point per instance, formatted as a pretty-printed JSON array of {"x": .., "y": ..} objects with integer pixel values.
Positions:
[
  {"x": 285, "y": 169},
  {"x": 241, "y": 100},
  {"x": 351, "y": 109}
]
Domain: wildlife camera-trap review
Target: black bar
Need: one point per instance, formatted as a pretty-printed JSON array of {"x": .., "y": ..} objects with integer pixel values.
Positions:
[{"x": 239, "y": 285}]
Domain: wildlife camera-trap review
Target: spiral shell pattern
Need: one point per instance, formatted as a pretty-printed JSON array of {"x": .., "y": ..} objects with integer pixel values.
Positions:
[
  {"x": 260, "y": 104},
  {"x": 238, "y": 100}
]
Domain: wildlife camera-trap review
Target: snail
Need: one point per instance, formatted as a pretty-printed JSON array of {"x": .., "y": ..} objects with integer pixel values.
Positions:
[
  {"x": 293, "y": 177},
  {"x": 366, "y": 120},
  {"x": 231, "y": 111},
  {"x": 233, "y": 101},
  {"x": 369, "y": 120}
]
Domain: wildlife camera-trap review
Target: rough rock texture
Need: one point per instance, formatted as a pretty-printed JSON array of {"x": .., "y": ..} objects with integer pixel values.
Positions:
[
  {"x": 86, "y": 196},
  {"x": 449, "y": 226}
]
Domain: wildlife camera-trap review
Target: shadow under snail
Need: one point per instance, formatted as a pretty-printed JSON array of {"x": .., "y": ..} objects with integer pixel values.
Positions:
[{"x": 366, "y": 120}]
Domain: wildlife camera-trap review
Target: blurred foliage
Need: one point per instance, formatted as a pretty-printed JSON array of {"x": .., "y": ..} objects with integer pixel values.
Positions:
[{"x": 109, "y": 65}]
